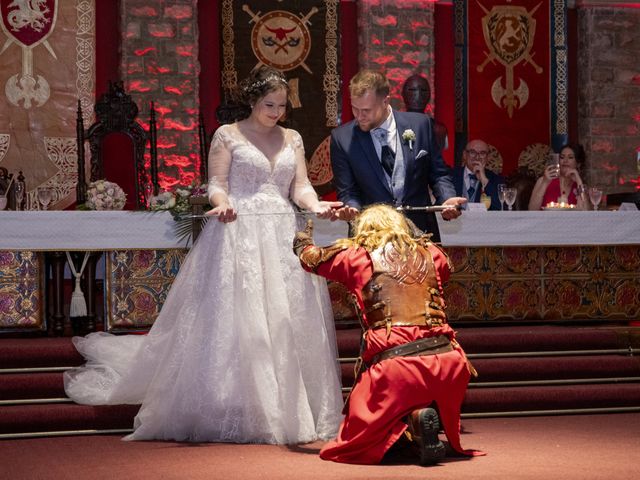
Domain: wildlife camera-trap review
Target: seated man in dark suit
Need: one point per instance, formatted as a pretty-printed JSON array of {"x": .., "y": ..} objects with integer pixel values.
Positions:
[
  {"x": 387, "y": 156},
  {"x": 473, "y": 181}
]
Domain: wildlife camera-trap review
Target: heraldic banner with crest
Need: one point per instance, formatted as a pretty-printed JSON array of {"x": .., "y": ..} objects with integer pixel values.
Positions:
[
  {"x": 299, "y": 38},
  {"x": 511, "y": 76},
  {"x": 47, "y": 52}
]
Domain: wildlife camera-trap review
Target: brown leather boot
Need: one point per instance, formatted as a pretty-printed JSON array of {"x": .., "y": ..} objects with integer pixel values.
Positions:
[{"x": 424, "y": 425}]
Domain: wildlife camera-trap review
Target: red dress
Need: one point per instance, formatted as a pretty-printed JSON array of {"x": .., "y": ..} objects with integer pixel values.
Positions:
[
  {"x": 390, "y": 390},
  {"x": 553, "y": 193}
]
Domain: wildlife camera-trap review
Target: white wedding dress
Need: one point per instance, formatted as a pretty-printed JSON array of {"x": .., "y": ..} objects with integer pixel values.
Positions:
[{"x": 244, "y": 348}]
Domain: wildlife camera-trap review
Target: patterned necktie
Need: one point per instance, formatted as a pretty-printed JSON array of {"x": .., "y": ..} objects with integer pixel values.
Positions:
[
  {"x": 471, "y": 191},
  {"x": 387, "y": 157}
]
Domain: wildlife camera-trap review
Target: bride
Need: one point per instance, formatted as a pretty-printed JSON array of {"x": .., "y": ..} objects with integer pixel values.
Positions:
[{"x": 244, "y": 347}]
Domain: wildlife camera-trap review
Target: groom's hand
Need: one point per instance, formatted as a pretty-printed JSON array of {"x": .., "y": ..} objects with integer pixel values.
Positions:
[
  {"x": 346, "y": 213},
  {"x": 453, "y": 212}
]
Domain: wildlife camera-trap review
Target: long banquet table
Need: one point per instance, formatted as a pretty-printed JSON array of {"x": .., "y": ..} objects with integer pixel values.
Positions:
[
  {"x": 115, "y": 230},
  {"x": 563, "y": 265},
  {"x": 544, "y": 266}
]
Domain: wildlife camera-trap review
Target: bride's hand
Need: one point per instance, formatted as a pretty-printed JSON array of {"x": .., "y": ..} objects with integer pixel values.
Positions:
[
  {"x": 225, "y": 213},
  {"x": 326, "y": 209}
]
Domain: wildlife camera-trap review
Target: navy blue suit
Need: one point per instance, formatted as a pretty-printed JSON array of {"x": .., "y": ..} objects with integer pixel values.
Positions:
[
  {"x": 360, "y": 180},
  {"x": 491, "y": 189}
]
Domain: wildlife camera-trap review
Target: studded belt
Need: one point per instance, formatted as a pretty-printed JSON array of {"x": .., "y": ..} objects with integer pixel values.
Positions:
[{"x": 421, "y": 347}]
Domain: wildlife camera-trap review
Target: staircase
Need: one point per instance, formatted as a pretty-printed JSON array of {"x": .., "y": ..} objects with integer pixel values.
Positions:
[
  {"x": 523, "y": 370},
  {"x": 540, "y": 370},
  {"x": 32, "y": 398}
]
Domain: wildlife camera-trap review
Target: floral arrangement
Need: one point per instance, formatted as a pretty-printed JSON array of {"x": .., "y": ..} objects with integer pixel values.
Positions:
[
  {"x": 177, "y": 202},
  {"x": 409, "y": 136},
  {"x": 104, "y": 195}
]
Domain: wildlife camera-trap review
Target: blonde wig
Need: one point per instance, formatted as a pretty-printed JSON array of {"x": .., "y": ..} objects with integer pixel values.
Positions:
[{"x": 378, "y": 225}]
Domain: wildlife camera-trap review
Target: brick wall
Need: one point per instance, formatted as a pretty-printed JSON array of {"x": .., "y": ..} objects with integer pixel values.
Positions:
[
  {"x": 609, "y": 94},
  {"x": 397, "y": 37},
  {"x": 159, "y": 63}
]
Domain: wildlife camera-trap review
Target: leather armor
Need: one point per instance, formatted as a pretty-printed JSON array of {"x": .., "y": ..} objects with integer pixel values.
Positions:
[{"x": 403, "y": 292}]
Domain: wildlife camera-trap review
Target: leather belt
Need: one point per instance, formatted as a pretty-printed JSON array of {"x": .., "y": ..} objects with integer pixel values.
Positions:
[{"x": 421, "y": 347}]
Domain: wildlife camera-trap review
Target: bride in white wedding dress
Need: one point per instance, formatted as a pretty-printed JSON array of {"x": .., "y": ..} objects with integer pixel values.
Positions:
[{"x": 244, "y": 347}]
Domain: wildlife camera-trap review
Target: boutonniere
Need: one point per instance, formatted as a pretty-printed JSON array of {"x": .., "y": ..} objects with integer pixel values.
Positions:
[{"x": 409, "y": 136}]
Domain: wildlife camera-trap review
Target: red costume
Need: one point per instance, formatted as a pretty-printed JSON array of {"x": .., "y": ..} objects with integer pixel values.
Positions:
[{"x": 399, "y": 302}]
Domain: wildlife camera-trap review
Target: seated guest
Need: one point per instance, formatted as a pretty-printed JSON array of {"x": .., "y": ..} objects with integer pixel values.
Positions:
[
  {"x": 412, "y": 374},
  {"x": 563, "y": 185},
  {"x": 475, "y": 182}
]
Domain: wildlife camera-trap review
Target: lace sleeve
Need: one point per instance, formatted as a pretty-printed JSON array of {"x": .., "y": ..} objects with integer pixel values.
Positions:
[
  {"x": 219, "y": 165},
  {"x": 301, "y": 192}
]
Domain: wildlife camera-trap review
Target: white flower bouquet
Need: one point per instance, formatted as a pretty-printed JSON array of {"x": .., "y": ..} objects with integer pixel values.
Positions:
[
  {"x": 177, "y": 202},
  {"x": 104, "y": 195}
]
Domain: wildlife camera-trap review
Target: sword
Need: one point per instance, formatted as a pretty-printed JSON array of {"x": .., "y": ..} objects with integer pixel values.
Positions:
[
  {"x": 306, "y": 213},
  {"x": 429, "y": 209}
]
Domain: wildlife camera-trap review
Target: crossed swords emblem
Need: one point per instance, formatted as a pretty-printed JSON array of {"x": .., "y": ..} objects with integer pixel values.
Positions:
[
  {"x": 508, "y": 33},
  {"x": 281, "y": 40}
]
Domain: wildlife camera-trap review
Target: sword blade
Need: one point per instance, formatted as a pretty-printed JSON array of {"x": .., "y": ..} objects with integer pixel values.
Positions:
[{"x": 429, "y": 209}]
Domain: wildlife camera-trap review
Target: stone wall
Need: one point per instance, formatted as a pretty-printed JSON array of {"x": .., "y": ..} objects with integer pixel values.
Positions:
[
  {"x": 609, "y": 94},
  {"x": 159, "y": 63}
]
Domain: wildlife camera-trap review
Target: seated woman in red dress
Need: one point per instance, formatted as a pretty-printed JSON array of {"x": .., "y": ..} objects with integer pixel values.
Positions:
[
  {"x": 413, "y": 373},
  {"x": 564, "y": 185}
]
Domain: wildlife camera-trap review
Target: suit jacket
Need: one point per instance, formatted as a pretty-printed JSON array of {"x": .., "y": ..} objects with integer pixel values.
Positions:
[
  {"x": 491, "y": 189},
  {"x": 360, "y": 180}
]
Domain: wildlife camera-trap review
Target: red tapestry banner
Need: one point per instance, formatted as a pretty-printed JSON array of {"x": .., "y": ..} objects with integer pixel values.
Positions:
[{"x": 512, "y": 81}]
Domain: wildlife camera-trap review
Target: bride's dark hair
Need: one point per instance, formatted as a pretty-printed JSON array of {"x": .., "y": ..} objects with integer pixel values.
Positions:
[{"x": 261, "y": 81}]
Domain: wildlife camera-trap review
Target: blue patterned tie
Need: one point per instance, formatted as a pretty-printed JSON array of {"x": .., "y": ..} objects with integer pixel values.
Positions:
[
  {"x": 387, "y": 157},
  {"x": 471, "y": 191}
]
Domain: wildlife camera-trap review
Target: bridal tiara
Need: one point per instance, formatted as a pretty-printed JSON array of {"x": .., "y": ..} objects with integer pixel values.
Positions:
[{"x": 263, "y": 82}]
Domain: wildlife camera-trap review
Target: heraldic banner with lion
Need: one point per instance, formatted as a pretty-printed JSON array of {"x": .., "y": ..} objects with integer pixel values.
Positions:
[{"x": 512, "y": 63}]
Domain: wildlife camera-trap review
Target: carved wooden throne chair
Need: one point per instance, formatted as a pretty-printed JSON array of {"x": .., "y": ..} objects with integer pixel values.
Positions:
[{"x": 117, "y": 145}]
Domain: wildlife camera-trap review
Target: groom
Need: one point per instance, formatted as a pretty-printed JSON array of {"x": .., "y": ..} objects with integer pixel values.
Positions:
[{"x": 386, "y": 156}]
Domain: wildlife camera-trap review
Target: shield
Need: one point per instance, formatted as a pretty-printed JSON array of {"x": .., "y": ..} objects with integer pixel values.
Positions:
[
  {"x": 28, "y": 22},
  {"x": 508, "y": 31}
]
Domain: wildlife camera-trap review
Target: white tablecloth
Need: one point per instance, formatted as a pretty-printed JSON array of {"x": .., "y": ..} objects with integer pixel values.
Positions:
[
  {"x": 108, "y": 230},
  {"x": 88, "y": 230},
  {"x": 552, "y": 228}
]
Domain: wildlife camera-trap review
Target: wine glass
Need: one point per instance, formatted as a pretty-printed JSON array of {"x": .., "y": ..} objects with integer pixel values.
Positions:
[
  {"x": 45, "y": 195},
  {"x": 501, "y": 188},
  {"x": 18, "y": 194},
  {"x": 595, "y": 195},
  {"x": 510, "y": 197},
  {"x": 148, "y": 194}
]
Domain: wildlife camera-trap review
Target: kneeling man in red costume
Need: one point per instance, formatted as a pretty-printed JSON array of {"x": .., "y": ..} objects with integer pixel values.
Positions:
[{"x": 412, "y": 374}]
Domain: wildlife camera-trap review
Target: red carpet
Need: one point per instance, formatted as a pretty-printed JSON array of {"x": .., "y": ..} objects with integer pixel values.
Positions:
[
  {"x": 581, "y": 447},
  {"x": 524, "y": 370}
]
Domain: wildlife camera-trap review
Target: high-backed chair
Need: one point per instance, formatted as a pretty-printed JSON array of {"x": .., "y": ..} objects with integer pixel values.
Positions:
[
  {"x": 117, "y": 144},
  {"x": 494, "y": 160},
  {"x": 534, "y": 157}
]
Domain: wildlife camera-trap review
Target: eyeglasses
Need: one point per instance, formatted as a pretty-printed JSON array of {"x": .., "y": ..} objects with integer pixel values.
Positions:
[{"x": 475, "y": 153}]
